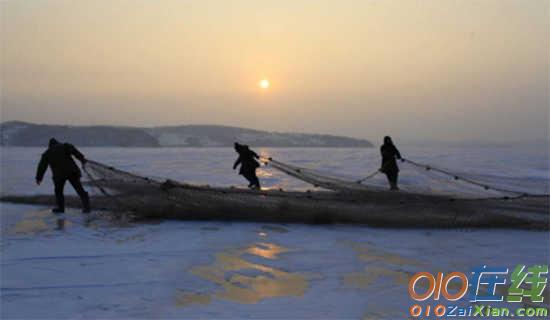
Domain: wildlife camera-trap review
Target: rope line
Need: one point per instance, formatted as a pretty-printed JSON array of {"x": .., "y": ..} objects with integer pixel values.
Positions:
[
  {"x": 111, "y": 174},
  {"x": 103, "y": 190},
  {"x": 512, "y": 194},
  {"x": 467, "y": 180},
  {"x": 94, "y": 181},
  {"x": 374, "y": 173}
]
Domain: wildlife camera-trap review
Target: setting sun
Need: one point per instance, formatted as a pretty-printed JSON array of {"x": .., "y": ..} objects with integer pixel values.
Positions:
[{"x": 264, "y": 83}]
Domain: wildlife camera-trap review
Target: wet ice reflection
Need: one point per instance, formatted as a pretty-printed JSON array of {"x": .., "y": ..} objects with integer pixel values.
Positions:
[
  {"x": 36, "y": 222},
  {"x": 266, "y": 250},
  {"x": 242, "y": 281}
]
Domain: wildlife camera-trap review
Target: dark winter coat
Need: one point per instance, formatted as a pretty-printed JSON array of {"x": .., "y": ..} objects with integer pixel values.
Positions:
[
  {"x": 389, "y": 154},
  {"x": 59, "y": 158},
  {"x": 247, "y": 160}
]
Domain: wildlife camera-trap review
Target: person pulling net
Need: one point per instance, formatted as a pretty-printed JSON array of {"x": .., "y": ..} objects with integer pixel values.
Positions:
[
  {"x": 419, "y": 178},
  {"x": 128, "y": 195},
  {"x": 390, "y": 154},
  {"x": 415, "y": 178},
  {"x": 59, "y": 158},
  {"x": 247, "y": 161}
]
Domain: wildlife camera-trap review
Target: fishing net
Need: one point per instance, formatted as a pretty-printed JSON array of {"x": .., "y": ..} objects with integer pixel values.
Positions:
[
  {"x": 320, "y": 179},
  {"x": 418, "y": 178},
  {"x": 414, "y": 178},
  {"x": 129, "y": 191},
  {"x": 152, "y": 198},
  {"x": 340, "y": 199},
  {"x": 142, "y": 194}
]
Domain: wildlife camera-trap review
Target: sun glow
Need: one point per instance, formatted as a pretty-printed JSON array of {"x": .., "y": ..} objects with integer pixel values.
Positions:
[{"x": 264, "y": 83}]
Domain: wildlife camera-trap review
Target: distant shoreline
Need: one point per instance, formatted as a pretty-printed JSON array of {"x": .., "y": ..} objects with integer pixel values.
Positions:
[
  {"x": 190, "y": 147},
  {"x": 24, "y": 134}
]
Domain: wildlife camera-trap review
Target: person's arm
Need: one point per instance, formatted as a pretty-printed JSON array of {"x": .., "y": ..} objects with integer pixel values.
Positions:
[
  {"x": 397, "y": 154},
  {"x": 77, "y": 154},
  {"x": 41, "y": 169},
  {"x": 255, "y": 155},
  {"x": 237, "y": 162}
]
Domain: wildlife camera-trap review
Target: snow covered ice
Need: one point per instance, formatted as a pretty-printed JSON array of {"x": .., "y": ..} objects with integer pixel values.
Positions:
[{"x": 182, "y": 269}]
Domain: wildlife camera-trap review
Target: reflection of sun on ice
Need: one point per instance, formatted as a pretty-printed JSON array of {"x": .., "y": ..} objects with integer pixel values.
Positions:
[
  {"x": 264, "y": 83},
  {"x": 243, "y": 281}
]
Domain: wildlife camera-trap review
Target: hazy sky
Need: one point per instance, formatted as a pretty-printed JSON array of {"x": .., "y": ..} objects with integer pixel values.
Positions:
[{"x": 439, "y": 69}]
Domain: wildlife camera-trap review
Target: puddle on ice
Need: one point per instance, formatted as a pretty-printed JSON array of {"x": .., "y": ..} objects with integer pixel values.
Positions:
[
  {"x": 184, "y": 299},
  {"x": 364, "y": 279},
  {"x": 380, "y": 267},
  {"x": 30, "y": 226},
  {"x": 266, "y": 250},
  {"x": 369, "y": 253},
  {"x": 246, "y": 282},
  {"x": 38, "y": 214},
  {"x": 379, "y": 264},
  {"x": 384, "y": 266},
  {"x": 44, "y": 221},
  {"x": 35, "y": 222}
]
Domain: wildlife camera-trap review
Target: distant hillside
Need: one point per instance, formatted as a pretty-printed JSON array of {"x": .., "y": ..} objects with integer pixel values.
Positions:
[
  {"x": 31, "y": 135},
  {"x": 24, "y": 134}
]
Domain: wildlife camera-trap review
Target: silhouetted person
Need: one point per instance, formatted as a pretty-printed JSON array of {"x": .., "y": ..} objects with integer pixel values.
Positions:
[
  {"x": 59, "y": 158},
  {"x": 389, "y": 166},
  {"x": 247, "y": 160}
]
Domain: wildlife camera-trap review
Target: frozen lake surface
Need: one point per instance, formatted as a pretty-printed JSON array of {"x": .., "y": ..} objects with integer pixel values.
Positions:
[{"x": 176, "y": 269}]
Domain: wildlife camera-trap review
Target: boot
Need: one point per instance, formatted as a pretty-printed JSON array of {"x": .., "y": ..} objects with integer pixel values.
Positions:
[{"x": 58, "y": 210}]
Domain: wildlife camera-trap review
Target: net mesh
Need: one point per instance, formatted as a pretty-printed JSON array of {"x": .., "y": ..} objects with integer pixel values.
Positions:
[
  {"x": 414, "y": 178},
  {"x": 418, "y": 178},
  {"x": 155, "y": 198}
]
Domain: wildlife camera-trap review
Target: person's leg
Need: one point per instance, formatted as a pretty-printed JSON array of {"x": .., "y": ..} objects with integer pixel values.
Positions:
[
  {"x": 256, "y": 180},
  {"x": 249, "y": 175},
  {"x": 84, "y": 197},
  {"x": 393, "y": 180},
  {"x": 59, "y": 185},
  {"x": 388, "y": 176}
]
